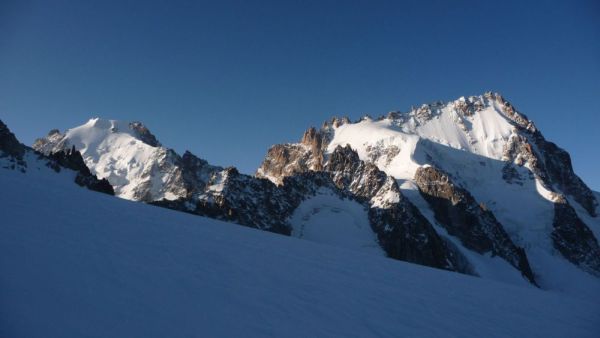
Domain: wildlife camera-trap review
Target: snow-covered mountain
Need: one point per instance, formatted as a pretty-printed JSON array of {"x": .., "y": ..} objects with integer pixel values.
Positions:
[
  {"x": 141, "y": 169},
  {"x": 126, "y": 154},
  {"x": 469, "y": 186},
  {"x": 115, "y": 151},
  {"x": 480, "y": 172},
  {"x": 75, "y": 263}
]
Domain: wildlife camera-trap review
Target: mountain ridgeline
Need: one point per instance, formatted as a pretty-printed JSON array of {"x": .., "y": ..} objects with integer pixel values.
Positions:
[{"x": 470, "y": 186}]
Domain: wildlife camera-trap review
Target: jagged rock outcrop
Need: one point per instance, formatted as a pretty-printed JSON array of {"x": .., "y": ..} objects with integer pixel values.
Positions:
[
  {"x": 476, "y": 227},
  {"x": 230, "y": 196},
  {"x": 288, "y": 159},
  {"x": 51, "y": 143},
  {"x": 225, "y": 194},
  {"x": 71, "y": 159},
  {"x": 314, "y": 140},
  {"x": 573, "y": 239},
  {"x": 285, "y": 160},
  {"x": 9, "y": 145},
  {"x": 144, "y": 134},
  {"x": 401, "y": 230},
  {"x": 247, "y": 200},
  {"x": 196, "y": 173},
  {"x": 363, "y": 179}
]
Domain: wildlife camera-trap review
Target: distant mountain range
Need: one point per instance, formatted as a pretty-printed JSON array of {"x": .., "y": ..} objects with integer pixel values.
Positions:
[{"x": 470, "y": 186}]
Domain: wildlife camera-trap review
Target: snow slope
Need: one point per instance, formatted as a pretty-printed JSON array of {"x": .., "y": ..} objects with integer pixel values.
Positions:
[
  {"x": 76, "y": 263},
  {"x": 328, "y": 219}
]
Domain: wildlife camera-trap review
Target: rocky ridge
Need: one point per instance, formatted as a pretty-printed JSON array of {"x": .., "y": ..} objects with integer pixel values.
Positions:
[
  {"x": 224, "y": 193},
  {"x": 401, "y": 230}
]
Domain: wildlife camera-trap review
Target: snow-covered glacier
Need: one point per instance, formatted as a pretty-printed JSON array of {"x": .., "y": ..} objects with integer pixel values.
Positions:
[{"x": 76, "y": 263}]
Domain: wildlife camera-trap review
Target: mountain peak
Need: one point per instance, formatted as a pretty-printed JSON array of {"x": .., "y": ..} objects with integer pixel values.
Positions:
[
  {"x": 126, "y": 153},
  {"x": 134, "y": 128}
]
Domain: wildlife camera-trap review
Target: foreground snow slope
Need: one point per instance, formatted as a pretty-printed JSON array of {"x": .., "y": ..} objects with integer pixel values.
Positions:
[{"x": 75, "y": 263}]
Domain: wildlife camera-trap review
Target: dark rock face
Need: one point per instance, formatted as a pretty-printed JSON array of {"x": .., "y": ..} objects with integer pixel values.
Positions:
[
  {"x": 9, "y": 145},
  {"x": 245, "y": 200},
  {"x": 406, "y": 235},
  {"x": 144, "y": 134},
  {"x": 363, "y": 179},
  {"x": 93, "y": 183},
  {"x": 258, "y": 203},
  {"x": 196, "y": 173},
  {"x": 401, "y": 230},
  {"x": 476, "y": 227},
  {"x": 560, "y": 171},
  {"x": 574, "y": 240},
  {"x": 227, "y": 195},
  {"x": 254, "y": 202},
  {"x": 71, "y": 159}
]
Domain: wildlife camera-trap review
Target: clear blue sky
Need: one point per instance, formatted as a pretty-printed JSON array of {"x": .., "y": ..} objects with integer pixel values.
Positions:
[{"x": 228, "y": 79}]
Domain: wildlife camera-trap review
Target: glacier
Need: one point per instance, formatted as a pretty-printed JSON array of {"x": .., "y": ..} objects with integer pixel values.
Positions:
[{"x": 77, "y": 263}]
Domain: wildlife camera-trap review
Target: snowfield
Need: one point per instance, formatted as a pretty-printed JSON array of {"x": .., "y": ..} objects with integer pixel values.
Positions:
[
  {"x": 75, "y": 263},
  {"x": 327, "y": 219}
]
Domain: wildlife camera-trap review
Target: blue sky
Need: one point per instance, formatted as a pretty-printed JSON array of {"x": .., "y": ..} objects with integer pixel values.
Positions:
[{"x": 227, "y": 79}]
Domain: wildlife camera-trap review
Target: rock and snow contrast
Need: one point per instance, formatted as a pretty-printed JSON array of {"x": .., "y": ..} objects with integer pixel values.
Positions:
[
  {"x": 67, "y": 163},
  {"x": 126, "y": 154},
  {"x": 480, "y": 172},
  {"x": 469, "y": 186},
  {"x": 75, "y": 263}
]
